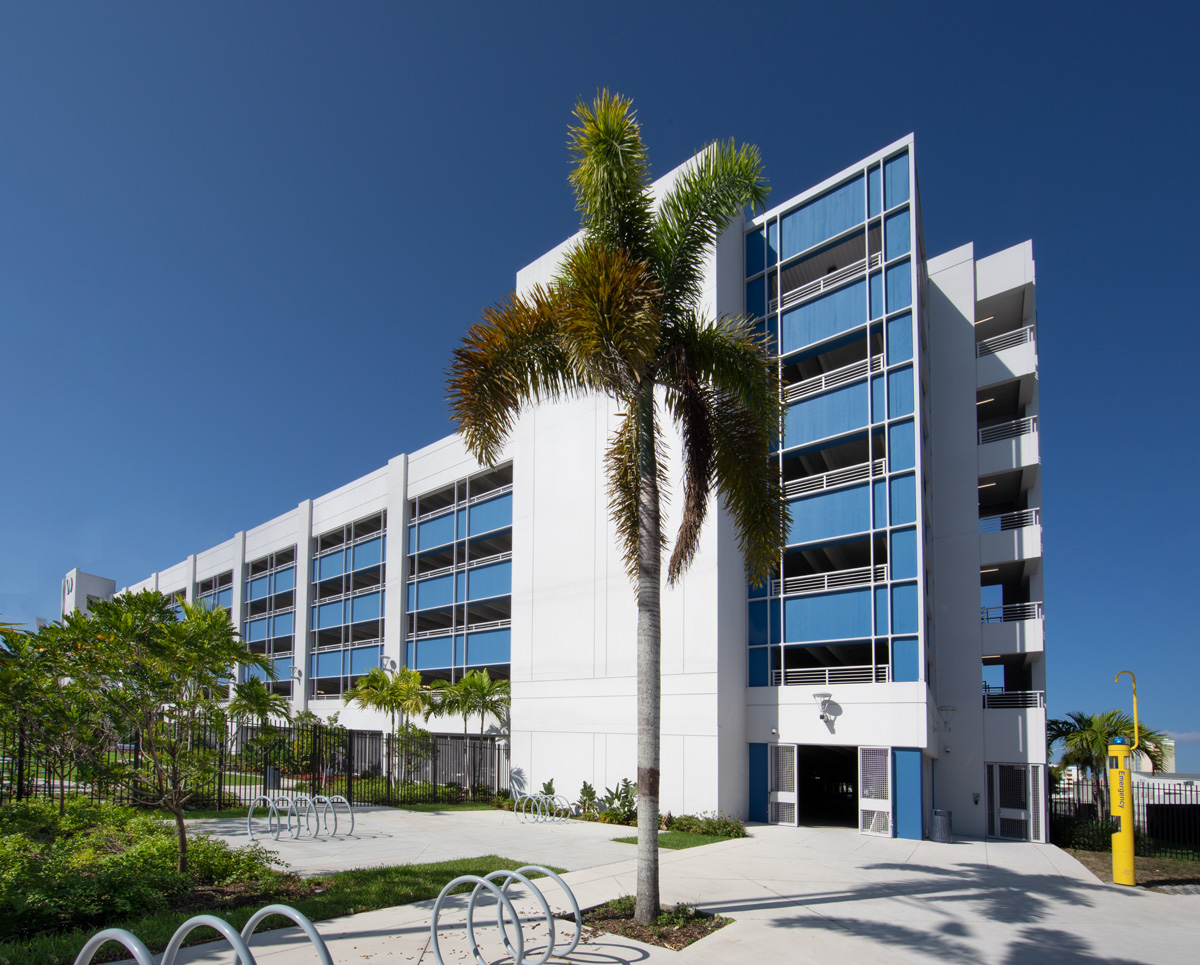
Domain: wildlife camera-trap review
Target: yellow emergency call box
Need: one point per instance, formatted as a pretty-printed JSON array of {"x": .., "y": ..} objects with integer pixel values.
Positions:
[{"x": 1120, "y": 806}]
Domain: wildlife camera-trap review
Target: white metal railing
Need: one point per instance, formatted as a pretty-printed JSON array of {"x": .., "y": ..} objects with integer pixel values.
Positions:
[
  {"x": 443, "y": 570},
  {"x": 1008, "y": 430},
  {"x": 490, "y": 494},
  {"x": 831, "y": 280},
  {"x": 473, "y": 628},
  {"x": 998, "y": 343},
  {"x": 827, "y": 676},
  {"x": 1013, "y": 699},
  {"x": 847, "y": 373},
  {"x": 446, "y": 510},
  {"x": 1010, "y": 612},
  {"x": 835, "y": 477},
  {"x": 1007, "y": 521},
  {"x": 833, "y": 580}
]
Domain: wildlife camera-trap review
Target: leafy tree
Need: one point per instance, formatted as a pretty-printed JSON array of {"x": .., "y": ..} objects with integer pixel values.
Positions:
[
  {"x": 623, "y": 319},
  {"x": 160, "y": 677},
  {"x": 475, "y": 692}
]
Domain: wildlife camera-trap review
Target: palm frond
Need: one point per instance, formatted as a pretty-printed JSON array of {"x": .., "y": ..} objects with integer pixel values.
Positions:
[
  {"x": 623, "y": 468},
  {"x": 513, "y": 356},
  {"x": 708, "y": 194},
  {"x": 611, "y": 173}
]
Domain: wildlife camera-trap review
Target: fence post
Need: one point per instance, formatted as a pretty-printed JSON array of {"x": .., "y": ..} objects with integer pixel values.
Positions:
[
  {"x": 221, "y": 762},
  {"x": 350, "y": 767}
]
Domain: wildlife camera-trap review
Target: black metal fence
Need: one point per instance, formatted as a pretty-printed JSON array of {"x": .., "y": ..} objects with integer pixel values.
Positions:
[
  {"x": 1166, "y": 817},
  {"x": 367, "y": 767}
]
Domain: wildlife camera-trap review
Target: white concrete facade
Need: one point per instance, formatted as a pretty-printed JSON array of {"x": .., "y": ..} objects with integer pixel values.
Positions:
[{"x": 570, "y": 616}]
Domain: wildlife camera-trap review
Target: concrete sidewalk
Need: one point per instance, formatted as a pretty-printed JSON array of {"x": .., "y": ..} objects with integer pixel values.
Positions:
[{"x": 821, "y": 895}]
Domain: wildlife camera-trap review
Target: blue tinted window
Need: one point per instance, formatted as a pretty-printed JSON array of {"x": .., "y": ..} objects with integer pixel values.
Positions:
[
  {"x": 899, "y": 339},
  {"x": 825, "y": 317},
  {"x": 436, "y": 532},
  {"x": 412, "y": 596},
  {"x": 827, "y": 616},
  {"x": 225, "y": 598},
  {"x": 904, "y": 499},
  {"x": 259, "y": 588},
  {"x": 283, "y": 668},
  {"x": 491, "y": 646},
  {"x": 369, "y": 553},
  {"x": 772, "y": 243},
  {"x": 754, "y": 252},
  {"x": 837, "y": 513},
  {"x": 881, "y": 610},
  {"x": 283, "y": 625},
  {"x": 830, "y": 414},
  {"x": 412, "y": 539},
  {"x": 829, "y": 215},
  {"x": 253, "y": 673},
  {"x": 756, "y": 297},
  {"x": 256, "y": 630},
  {"x": 878, "y": 400},
  {"x": 327, "y": 664},
  {"x": 328, "y": 615},
  {"x": 900, "y": 392},
  {"x": 757, "y": 623},
  {"x": 363, "y": 659},
  {"x": 435, "y": 592},
  {"x": 776, "y": 621},
  {"x": 460, "y": 586},
  {"x": 432, "y": 654},
  {"x": 285, "y": 580},
  {"x": 902, "y": 447},
  {"x": 330, "y": 565},
  {"x": 460, "y": 523},
  {"x": 899, "y": 286},
  {"x": 897, "y": 229},
  {"x": 876, "y": 308},
  {"x": 757, "y": 590},
  {"x": 880, "y": 505},
  {"x": 895, "y": 180},
  {"x": 485, "y": 581},
  {"x": 757, "y": 668},
  {"x": 493, "y": 514},
  {"x": 903, "y": 558},
  {"x": 906, "y": 659},
  {"x": 873, "y": 192},
  {"x": 368, "y": 607},
  {"x": 905, "y": 600}
]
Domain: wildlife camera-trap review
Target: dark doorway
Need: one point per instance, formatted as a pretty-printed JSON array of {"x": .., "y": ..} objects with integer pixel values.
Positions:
[{"x": 827, "y": 786}]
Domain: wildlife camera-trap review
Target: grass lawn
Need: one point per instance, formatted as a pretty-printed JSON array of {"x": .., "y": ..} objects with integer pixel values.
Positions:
[
  {"x": 677, "y": 840},
  {"x": 346, "y": 893},
  {"x": 1147, "y": 871},
  {"x": 459, "y": 806}
]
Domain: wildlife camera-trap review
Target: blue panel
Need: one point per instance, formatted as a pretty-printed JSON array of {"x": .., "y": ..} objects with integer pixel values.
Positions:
[
  {"x": 906, "y": 659},
  {"x": 412, "y": 596},
  {"x": 491, "y": 646},
  {"x": 756, "y": 620},
  {"x": 460, "y": 587},
  {"x": 327, "y": 615},
  {"x": 225, "y": 598},
  {"x": 369, "y": 553},
  {"x": 880, "y": 505},
  {"x": 829, "y": 215},
  {"x": 899, "y": 339},
  {"x": 330, "y": 565},
  {"x": 906, "y": 797},
  {"x": 283, "y": 625},
  {"x": 897, "y": 228},
  {"x": 438, "y": 591},
  {"x": 410, "y": 655},
  {"x": 905, "y": 601},
  {"x": 759, "y": 795},
  {"x": 412, "y": 539},
  {"x": 878, "y": 400},
  {"x": 756, "y": 298},
  {"x": 827, "y": 616},
  {"x": 258, "y": 588},
  {"x": 902, "y": 561},
  {"x": 824, "y": 317},
  {"x": 494, "y": 514},
  {"x": 876, "y": 307},
  {"x": 756, "y": 591},
  {"x": 837, "y": 513},
  {"x": 900, "y": 392},
  {"x": 895, "y": 180},
  {"x": 881, "y": 610},
  {"x": 485, "y": 581},
  {"x": 253, "y": 673},
  {"x": 874, "y": 194},
  {"x": 434, "y": 653},
  {"x": 256, "y": 630},
  {"x": 283, "y": 668},
  {"x": 904, "y": 499},
  {"x": 460, "y": 523},
  {"x": 772, "y": 243},
  {"x": 902, "y": 447},
  {"x": 460, "y": 650},
  {"x": 436, "y": 532},
  {"x": 363, "y": 659},
  {"x": 831, "y": 414},
  {"x": 755, "y": 252},
  {"x": 368, "y": 607},
  {"x": 285, "y": 580},
  {"x": 776, "y": 621},
  {"x": 327, "y": 664},
  {"x": 757, "y": 669},
  {"x": 899, "y": 286}
]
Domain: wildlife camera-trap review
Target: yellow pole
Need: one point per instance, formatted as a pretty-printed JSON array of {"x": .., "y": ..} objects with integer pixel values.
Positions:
[{"x": 1120, "y": 796}]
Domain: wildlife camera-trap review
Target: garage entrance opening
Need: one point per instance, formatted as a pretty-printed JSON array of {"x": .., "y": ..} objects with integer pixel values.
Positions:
[{"x": 827, "y": 786}]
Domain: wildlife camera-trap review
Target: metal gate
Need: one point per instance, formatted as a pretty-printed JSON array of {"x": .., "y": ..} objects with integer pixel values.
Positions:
[
  {"x": 781, "y": 808},
  {"x": 1014, "y": 802},
  {"x": 875, "y": 791}
]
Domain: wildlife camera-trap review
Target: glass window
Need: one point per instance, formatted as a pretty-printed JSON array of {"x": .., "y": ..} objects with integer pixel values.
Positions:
[
  {"x": 902, "y": 446},
  {"x": 758, "y": 667},
  {"x": 225, "y": 598},
  {"x": 873, "y": 192},
  {"x": 494, "y": 580},
  {"x": 827, "y": 616},
  {"x": 878, "y": 404},
  {"x": 904, "y": 499},
  {"x": 899, "y": 339},
  {"x": 363, "y": 659},
  {"x": 906, "y": 659},
  {"x": 259, "y": 588},
  {"x": 283, "y": 625},
  {"x": 772, "y": 243},
  {"x": 256, "y": 630},
  {"x": 900, "y": 392},
  {"x": 285, "y": 580},
  {"x": 880, "y": 505},
  {"x": 898, "y": 235},
  {"x": 433, "y": 653},
  {"x": 366, "y": 607},
  {"x": 330, "y": 565},
  {"x": 327, "y": 664},
  {"x": 905, "y": 600},
  {"x": 830, "y": 414},
  {"x": 903, "y": 558},
  {"x": 283, "y": 668},
  {"x": 490, "y": 515},
  {"x": 328, "y": 615},
  {"x": 895, "y": 180},
  {"x": 491, "y": 646},
  {"x": 876, "y": 308},
  {"x": 899, "y": 286},
  {"x": 881, "y": 610},
  {"x": 831, "y": 214},
  {"x": 756, "y": 297},
  {"x": 755, "y": 252},
  {"x": 824, "y": 317},
  {"x": 369, "y": 553}
]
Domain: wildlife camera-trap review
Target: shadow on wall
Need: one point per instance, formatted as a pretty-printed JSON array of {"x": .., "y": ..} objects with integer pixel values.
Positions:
[{"x": 516, "y": 781}]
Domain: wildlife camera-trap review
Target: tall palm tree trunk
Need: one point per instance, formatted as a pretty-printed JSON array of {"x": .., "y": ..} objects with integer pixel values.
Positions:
[{"x": 649, "y": 660}]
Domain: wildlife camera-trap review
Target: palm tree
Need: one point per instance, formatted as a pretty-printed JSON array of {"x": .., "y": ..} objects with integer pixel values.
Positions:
[
  {"x": 475, "y": 692},
  {"x": 252, "y": 699},
  {"x": 398, "y": 692},
  {"x": 623, "y": 319},
  {"x": 1086, "y": 738}
]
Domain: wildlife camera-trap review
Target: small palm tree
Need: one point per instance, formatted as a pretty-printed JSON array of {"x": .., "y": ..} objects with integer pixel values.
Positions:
[
  {"x": 1086, "y": 738},
  {"x": 252, "y": 700},
  {"x": 624, "y": 320},
  {"x": 475, "y": 692},
  {"x": 397, "y": 692}
]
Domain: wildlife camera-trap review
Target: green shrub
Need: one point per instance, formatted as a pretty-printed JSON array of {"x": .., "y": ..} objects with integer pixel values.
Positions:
[{"x": 706, "y": 823}]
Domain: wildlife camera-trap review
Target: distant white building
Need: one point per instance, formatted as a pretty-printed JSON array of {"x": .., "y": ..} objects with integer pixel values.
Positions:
[{"x": 848, "y": 689}]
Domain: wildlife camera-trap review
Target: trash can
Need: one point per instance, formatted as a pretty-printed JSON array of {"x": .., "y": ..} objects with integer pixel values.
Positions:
[
  {"x": 942, "y": 827},
  {"x": 271, "y": 779}
]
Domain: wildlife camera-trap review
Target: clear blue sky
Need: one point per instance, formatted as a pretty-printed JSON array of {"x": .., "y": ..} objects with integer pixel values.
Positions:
[{"x": 239, "y": 241}]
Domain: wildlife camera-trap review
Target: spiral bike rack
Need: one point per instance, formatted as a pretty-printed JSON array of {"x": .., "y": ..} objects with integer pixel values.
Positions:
[
  {"x": 239, "y": 942},
  {"x": 328, "y": 805},
  {"x": 506, "y": 914},
  {"x": 318, "y": 808},
  {"x": 541, "y": 808}
]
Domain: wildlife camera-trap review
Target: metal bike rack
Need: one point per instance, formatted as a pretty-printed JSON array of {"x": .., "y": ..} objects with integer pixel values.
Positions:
[
  {"x": 318, "y": 808},
  {"x": 541, "y": 808},
  {"x": 506, "y": 914},
  {"x": 239, "y": 942},
  {"x": 328, "y": 806}
]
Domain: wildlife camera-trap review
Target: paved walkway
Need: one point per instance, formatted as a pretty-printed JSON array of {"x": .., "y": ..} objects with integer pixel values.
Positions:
[{"x": 797, "y": 895}]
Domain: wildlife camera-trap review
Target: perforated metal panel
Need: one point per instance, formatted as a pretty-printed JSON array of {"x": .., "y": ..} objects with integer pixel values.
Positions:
[
  {"x": 875, "y": 822},
  {"x": 1014, "y": 802},
  {"x": 783, "y": 767},
  {"x": 1035, "y": 803},
  {"x": 875, "y": 790},
  {"x": 1014, "y": 828},
  {"x": 783, "y": 813},
  {"x": 1014, "y": 786},
  {"x": 991, "y": 801}
]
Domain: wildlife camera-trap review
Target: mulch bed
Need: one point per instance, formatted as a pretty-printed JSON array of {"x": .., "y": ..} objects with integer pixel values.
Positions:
[
  {"x": 212, "y": 899},
  {"x": 677, "y": 929}
]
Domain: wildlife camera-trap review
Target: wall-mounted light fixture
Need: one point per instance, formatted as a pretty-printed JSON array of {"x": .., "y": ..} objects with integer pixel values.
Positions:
[
  {"x": 823, "y": 702},
  {"x": 947, "y": 715}
]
